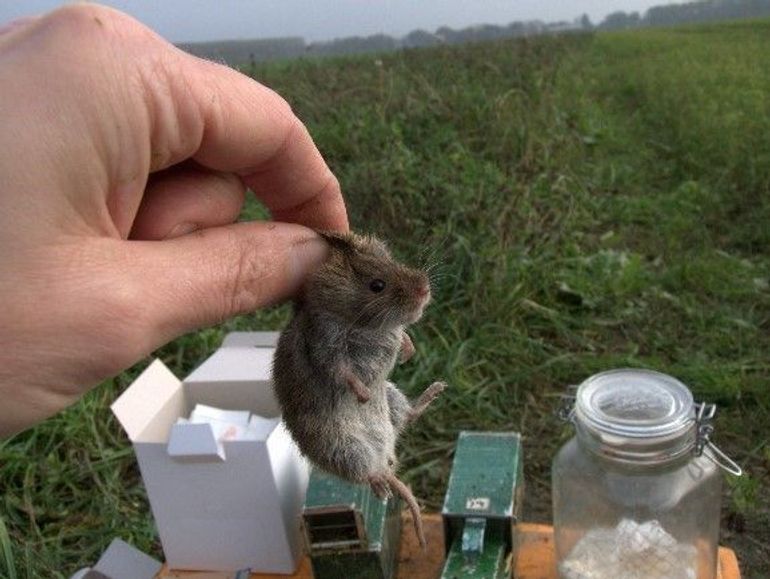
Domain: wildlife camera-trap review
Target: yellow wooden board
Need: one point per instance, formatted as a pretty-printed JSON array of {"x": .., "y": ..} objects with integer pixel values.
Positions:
[{"x": 535, "y": 556}]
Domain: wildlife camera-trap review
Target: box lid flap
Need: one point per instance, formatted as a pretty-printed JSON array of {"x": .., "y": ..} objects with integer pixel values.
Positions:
[
  {"x": 236, "y": 364},
  {"x": 139, "y": 404},
  {"x": 194, "y": 442},
  {"x": 122, "y": 561}
]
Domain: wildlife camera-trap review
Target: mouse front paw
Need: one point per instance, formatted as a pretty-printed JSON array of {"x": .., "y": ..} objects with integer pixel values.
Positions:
[
  {"x": 421, "y": 404},
  {"x": 358, "y": 388},
  {"x": 407, "y": 348}
]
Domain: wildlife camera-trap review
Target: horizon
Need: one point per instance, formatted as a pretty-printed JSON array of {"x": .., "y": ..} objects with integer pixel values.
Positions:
[{"x": 324, "y": 20}]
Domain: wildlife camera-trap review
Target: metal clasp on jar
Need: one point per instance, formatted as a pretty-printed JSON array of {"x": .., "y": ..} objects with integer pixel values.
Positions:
[
  {"x": 704, "y": 415},
  {"x": 566, "y": 410}
]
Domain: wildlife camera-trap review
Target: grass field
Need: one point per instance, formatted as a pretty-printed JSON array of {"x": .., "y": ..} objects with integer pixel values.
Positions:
[{"x": 591, "y": 202}]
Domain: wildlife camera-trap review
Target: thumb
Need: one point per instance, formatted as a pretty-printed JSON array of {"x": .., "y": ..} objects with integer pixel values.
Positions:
[{"x": 212, "y": 274}]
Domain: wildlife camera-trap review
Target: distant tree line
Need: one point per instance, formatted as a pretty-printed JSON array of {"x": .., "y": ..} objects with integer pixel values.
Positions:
[
  {"x": 245, "y": 52},
  {"x": 672, "y": 14},
  {"x": 239, "y": 52}
]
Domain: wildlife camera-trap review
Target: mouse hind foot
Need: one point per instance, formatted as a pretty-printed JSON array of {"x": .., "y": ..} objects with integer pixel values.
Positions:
[
  {"x": 385, "y": 484},
  {"x": 424, "y": 400},
  {"x": 380, "y": 486}
]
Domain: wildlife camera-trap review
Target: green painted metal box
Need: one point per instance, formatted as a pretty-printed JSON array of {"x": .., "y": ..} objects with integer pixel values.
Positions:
[
  {"x": 348, "y": 530},
  {"x": 489, "y": 560},
  {"x": 482, "y": 505}
]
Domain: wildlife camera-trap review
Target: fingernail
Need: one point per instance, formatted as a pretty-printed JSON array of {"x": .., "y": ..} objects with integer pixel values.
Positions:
[
  {"x": 181, "y": 229},
  {"x": 306, "y": 256}
]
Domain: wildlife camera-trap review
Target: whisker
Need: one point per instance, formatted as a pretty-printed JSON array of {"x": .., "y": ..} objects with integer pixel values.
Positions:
[{"x": 374, "y": 305}]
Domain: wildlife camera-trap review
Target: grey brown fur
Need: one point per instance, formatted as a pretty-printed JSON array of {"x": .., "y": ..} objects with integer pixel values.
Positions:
[{"x": 333, "y": 359}]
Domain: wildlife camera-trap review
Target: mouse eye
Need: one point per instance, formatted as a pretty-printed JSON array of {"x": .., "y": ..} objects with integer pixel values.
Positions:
[{"x": 377, "y": 285}]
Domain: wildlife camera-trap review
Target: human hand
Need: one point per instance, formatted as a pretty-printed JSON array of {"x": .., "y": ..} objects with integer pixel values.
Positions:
[{"x": 124, "y": 163}]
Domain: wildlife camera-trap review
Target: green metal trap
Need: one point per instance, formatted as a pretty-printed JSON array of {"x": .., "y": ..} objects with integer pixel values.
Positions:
[
  {"x": 482, "y": 504},
  {"x": 348, "y": 530}
]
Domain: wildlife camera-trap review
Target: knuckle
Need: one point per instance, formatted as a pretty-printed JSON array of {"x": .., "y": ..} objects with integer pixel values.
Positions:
[
  {"x": 238, "y": 274},
  {"x": 248, "y": 278},
  {"x": 80, "y": 21},
  {"x": 286, "y": 136},
  {"x": 93, "y": 30},
  {"x": 331, "y": 186},
  {"x": 280, "y": 105}
]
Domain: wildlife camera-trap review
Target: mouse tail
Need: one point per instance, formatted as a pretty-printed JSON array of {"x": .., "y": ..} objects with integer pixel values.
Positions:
[{"x": 405, "y": 493}]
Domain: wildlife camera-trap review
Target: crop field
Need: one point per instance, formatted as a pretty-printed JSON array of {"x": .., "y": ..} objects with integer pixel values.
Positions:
[{"x": 588, "y": 202}]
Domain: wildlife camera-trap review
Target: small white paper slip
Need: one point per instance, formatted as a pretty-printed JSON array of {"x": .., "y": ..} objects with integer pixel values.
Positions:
[
  {"x": 207, "y": 414},
  {"x": 221, "y": 426},
  {"x": 260, "y": 428}
]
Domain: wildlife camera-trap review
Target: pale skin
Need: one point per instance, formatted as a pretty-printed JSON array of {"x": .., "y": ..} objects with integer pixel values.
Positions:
[{"x": 124, "y": 164}]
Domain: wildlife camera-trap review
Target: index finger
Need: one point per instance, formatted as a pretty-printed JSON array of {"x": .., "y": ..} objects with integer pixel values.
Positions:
[
  {"x": 211, "y": 113},
  {"x": 250, "y": 130},
  {"x": 100, "y": 81}
]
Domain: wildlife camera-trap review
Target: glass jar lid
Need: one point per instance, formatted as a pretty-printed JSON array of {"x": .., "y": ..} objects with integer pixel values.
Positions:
[
  {"x": 636, "y": 415},
  {"x": 635, "y": 403},
  {"x": 642, "y": 416}
]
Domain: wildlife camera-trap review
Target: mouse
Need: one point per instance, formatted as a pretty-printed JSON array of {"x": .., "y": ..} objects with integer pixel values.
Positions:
[{"x": 332, "y": 361}]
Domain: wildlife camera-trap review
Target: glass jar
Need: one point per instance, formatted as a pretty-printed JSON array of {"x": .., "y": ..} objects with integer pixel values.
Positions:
[{"x": 637, "y": 490}]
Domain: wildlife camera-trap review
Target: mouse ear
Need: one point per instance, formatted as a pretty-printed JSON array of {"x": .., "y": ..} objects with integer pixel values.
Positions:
[{"x": 340, "y": 241}]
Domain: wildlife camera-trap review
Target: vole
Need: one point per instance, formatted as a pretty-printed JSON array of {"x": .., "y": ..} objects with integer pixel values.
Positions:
[{"x": 332, "y": 362}]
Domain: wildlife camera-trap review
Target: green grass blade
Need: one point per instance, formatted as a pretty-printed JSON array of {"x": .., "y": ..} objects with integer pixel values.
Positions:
[{"x": 5, "y": 544}]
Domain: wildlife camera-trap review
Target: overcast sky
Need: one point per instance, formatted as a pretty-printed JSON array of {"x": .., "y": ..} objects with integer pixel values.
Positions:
[{"x": 196, "y": 20}]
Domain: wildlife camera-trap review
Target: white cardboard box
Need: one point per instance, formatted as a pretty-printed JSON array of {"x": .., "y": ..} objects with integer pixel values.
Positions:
[
  {"x": 218, "y": 509},
  {"x": 121, "y": 561}
]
